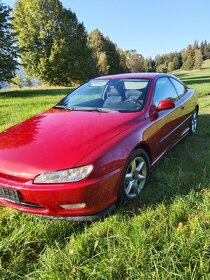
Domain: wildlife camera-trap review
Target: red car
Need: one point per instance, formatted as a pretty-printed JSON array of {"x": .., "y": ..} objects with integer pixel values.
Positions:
[{"x": 96, "y": 147}]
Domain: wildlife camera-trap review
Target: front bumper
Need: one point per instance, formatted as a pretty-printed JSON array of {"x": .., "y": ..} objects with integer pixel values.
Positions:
[
  {"x": 46, "y": 199},
  {"x": 99, "y": 215}
]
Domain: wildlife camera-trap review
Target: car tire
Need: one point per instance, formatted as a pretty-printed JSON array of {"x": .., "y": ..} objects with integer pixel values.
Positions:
[
  {"x": 194, "y": 122},
  {"x": 135, "y": 176}
]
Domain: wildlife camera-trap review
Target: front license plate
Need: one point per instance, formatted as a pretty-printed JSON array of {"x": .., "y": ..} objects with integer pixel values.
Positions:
[{"x": 8, "y": 194}]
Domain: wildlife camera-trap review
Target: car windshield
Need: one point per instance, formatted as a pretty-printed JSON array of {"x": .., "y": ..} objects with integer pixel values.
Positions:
[{"x": 108, "y": 95}]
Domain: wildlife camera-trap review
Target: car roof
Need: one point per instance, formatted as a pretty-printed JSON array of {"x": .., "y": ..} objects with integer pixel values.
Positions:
[{"x": 134, "y": 75}]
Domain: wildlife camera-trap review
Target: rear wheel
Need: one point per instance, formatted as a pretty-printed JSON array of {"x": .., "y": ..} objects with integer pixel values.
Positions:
[
  {"x": 194, "y": 122},
  {"x": 135, "y": 175}
]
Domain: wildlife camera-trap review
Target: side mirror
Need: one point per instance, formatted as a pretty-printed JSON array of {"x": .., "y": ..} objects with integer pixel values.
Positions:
[{"x": 166, "y": 104}]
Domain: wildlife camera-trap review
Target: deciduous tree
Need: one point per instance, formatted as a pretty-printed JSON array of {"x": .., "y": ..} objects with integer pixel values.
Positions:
[
  {"x": 105, "y": 53},
  {"x": 134, "y": 61},
  {"x": 198, "y": 59},
  {"x": 188, "y": 58},
  {"x": 149, "y": 65},
  {"x": 53, "y": 43},
  {"x": 171, "y": 66},
  {"x": 17, "y": 82},
  {"x": 123, "y": 64}
]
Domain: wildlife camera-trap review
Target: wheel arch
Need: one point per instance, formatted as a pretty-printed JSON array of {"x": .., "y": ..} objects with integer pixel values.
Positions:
[{"x": 146, "y": 148}]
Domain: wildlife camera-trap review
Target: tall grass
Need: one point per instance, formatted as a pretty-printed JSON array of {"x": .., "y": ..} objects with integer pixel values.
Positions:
[{"x": 17, "y": 105}]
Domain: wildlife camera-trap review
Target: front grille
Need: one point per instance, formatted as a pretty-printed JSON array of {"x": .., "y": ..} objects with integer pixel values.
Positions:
[{"x": 30, "y": 204}]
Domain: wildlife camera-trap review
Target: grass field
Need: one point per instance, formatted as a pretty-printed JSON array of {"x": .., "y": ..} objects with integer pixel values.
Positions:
[
  {"x": 163, "y": 235},
  {"x": 197, "y": 79}
]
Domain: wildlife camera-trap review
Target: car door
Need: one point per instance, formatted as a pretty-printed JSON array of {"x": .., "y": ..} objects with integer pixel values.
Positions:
[{"x": 164, "y": 128}]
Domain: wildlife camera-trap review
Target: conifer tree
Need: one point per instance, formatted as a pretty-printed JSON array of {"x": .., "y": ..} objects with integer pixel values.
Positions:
[{"x": 8, "y": 47}]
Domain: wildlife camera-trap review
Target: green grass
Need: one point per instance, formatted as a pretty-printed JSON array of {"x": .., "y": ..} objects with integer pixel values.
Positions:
[
  {"x": 17, "y": 105},
  {"x": 163, "y": 235},
  {"x": 197, "y": 79}
]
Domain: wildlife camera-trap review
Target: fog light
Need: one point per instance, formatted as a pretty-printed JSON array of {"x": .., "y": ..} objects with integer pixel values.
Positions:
[{"x": 73, "y": 206}]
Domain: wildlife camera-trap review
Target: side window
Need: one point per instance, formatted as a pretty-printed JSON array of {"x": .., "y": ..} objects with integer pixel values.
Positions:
[
  {"x": 164, "y": 90},
  {"x": 180, "y": 88}
]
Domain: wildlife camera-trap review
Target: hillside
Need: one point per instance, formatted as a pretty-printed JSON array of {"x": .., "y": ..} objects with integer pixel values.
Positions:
[{"x": 197, "y": 79}]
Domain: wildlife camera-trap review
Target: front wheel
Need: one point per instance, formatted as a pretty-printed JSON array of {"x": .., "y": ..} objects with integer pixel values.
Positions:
[
  {"x": 135, "y": 176},
  {"x": 194, "y": 122}
]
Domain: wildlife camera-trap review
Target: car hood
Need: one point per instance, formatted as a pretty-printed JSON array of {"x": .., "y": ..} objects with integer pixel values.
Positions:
[{"x": 56, "y": 140}]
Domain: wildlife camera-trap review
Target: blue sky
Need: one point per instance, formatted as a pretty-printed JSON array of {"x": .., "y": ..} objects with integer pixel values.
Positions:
[{"x": 151, "y": 27}]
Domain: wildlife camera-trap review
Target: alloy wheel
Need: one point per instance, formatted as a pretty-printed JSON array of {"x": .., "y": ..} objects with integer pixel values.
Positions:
[{"x": 135, "y": 177}]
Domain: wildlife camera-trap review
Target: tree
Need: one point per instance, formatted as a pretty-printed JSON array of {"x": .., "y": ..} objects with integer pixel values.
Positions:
[
  {"x": 169, "y": 61},
  {"x": 188, "y": 58},
  {"x": 171, "y": 66},
  {"x": 53, "y": 43},
  {"x": 103, "y": 64},
  {"x": 177, "y": 60},
  {"x": 8, "y": 47},
  {"x": 198, "y": 59},
  {"x": 149, "y": 65},
  {"x": 105, "y": 53},
  {"x": 162, "y": 68},
  {"x": 123, "y": 64},
  {"x": 195, "y": 45},
  {"x": 28, "y": 81},
  {"x": 202, "y": 48},
  {"x": 205, "y": 50},
  {"x": 17, "y": 82},
  {"x": 161, "y": 60},
  {"x": 134, "y": 61}
]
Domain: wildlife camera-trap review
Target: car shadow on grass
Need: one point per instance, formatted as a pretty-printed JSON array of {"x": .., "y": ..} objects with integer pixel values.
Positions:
[
  {"x": 196, "y": 81},
  {"x": 196, "y": 77},
  {"x": 182, "y": 170}
]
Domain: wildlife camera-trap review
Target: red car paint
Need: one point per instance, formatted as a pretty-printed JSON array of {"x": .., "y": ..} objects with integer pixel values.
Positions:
[{"x": 60, "y": 139}]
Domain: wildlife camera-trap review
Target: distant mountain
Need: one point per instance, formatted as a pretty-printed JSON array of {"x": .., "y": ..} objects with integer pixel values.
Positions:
[{"x": 21, "y": 73}]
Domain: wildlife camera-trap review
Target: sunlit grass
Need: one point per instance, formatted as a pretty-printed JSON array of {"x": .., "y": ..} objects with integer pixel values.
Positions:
[
  {"x": 197, "y": 79},
  {"x": 17, "y": 105}
]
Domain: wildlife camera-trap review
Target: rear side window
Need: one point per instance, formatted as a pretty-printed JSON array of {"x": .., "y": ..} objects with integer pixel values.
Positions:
[
  {"x": 180, "y": 88},
  {"x": 164, "y": 90}
]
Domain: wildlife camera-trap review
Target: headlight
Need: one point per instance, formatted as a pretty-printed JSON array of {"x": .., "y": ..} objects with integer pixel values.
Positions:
[{"x": 64, "y": 176}]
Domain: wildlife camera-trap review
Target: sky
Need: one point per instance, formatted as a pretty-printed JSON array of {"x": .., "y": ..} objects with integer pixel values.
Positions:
[{"x": 151, "y": 27}]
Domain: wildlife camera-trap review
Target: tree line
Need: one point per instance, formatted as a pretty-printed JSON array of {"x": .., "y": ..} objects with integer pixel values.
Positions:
[
  {"x": 188, "y": 59},
  {"x": 54, "y": 47}
]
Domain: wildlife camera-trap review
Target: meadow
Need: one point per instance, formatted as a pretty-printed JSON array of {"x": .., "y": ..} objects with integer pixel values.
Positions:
[
  {"x": 197, "y": 79},
  {"x": 163, "y": 235}
]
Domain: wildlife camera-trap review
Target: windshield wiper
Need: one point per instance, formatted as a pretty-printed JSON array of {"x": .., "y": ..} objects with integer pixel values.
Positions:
[
  {"x": 90, "y": 109},
  {"x": 63, "y": 107},
  {"x": 96, "y": 109}
]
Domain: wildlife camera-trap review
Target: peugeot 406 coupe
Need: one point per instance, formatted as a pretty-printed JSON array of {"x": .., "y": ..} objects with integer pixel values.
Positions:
[{"x": 96, "y": 147}]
